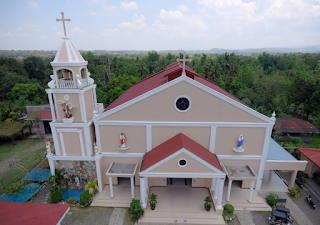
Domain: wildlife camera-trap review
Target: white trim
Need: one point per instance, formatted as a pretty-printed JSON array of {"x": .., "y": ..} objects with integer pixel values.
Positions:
[
  {"x": 80, "y": 63},
  {"x": 184, "y": 160},
  {"x": 79, "y": 125},
  {"x": 194, "y": 83},
  {"x": 56, "y": 105},
  {"x": 182, "y": 124},
  {"x": 94, "y": 97},
  {"x": 87, "y": 138},
  {"x": 51, "y": 164},
  {"x": 58, "y": 52},
  {"x": 143, "y": 192},
  {"x": 183, "y": 150},
  {"x": 175, "y": 103},
  {"x": 63, "y": 216},
  {"x": 97, "y": 160},
  {"x": 240, "y": 157},
  {"x": 287, "y": 161},
  {"x": 73, "y": 51},
  {"x": 122, "y": 155},
  {"x": 81, "y": 143},
  {"x": 62, "y": 143},
  {"x": 70, "y": 130},
  {"x": 55, "y": 139},
  {"x": 82, "y": 107},
  {"x": 149, "y": 137},
  {"x": 213, "y": 133},
  {"x": 70, "y": 90},
  {"x": 182, "y": 175},
  {"x": 264, "y": 154},
  {"x": 52, "y": 108},
  {"x": 68, "y": 51}
]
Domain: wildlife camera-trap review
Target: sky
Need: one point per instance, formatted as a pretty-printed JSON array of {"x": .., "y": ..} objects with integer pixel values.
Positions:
[{"x": 159, "y": 24}]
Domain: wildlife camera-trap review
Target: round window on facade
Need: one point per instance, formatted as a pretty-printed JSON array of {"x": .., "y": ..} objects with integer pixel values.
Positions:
[
  {"x": 182, "y": 104},
  {"x": 182, "y": 162}
]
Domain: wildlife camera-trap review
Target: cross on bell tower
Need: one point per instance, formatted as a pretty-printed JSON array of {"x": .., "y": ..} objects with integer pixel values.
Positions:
[
  {"x": 184, "y": 60},
  {"x": 64, "y": 26}
]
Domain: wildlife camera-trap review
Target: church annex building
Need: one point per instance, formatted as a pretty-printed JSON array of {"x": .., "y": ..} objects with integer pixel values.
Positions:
[{"x": 173, "y": 132}]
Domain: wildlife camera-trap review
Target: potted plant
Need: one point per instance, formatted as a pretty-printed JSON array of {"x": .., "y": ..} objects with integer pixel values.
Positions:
[
  {"x": 153, "y": 200},
  {"x": 207, "y": 203}
]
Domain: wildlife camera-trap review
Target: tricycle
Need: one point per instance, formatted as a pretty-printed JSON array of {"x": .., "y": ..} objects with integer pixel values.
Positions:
[{"x": 280, "y": 217}]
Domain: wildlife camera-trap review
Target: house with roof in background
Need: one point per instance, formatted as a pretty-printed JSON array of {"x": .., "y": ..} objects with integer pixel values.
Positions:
[{"x": 175, "y": 134}]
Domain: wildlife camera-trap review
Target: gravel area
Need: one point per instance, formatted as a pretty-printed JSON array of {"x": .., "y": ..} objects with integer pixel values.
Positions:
[{"x": 90, "y": 215}]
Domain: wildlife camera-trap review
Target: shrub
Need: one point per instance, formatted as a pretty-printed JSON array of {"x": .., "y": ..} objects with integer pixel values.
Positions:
[
  {"x": 271, "y": 199},
  {"x": 92, "y": 186},
  {"x": 56, "y": 196},
  {"x": 153, "y": 200},
  {"x": 135, "y": 210},
  {"x": 15, "y": 188},
  {"x": 229, "y": 208},
  {"x": 85, "y": 198},
  {"x": 69, "y": 200},
  {"x": 207, "y": 203},
  {"x": 295, "y": 192}
]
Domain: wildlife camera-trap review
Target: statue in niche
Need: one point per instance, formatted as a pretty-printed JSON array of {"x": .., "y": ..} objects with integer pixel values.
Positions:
[
  {"x": 76, "y": 179},
  {"x": 48, "y": 147},
  {"x": 123, "y": 145},
  {"x": 96, "y": 149},
  {"x": 240, "y": 143},
  {"x": 67, "y": 107}
]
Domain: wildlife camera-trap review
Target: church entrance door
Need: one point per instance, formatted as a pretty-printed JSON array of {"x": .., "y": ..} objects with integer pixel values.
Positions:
[{"x": 179, "y": 182}]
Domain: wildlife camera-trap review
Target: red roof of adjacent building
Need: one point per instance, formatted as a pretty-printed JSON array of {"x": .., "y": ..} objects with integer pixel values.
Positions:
[
  {"x": 42, "y": 115},
  {"x": 311, "y": 153},
  {"x": 294, "y": 125},
  {"x": 31, "y": 213},
  {"x": 161, "y": 78},
  {"x": 173, "y": 145}
]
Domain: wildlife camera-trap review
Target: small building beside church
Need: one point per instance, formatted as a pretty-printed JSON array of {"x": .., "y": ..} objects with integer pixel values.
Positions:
[{"x": 172, "y": 129}]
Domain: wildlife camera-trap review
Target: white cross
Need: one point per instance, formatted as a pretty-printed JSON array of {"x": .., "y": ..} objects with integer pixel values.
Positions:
[
  {"x": 184, "y": 60},
  {"x": 64, "y": 26}
]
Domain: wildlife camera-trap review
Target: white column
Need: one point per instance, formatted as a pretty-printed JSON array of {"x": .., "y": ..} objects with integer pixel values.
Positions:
[
  {"x": 98, "y": 172},
  {"x": 95, "y": 100},
  {"x": 219, "y": 200},
  {"x": 143, "y": 192},
  {"x": 51, "y": 164},
  {"x": 62, "y": 142},
  {"x": 81, "y": 142},
  {"x": 229, "y": 190},
  {"x": 212, "y": 138},
  {"x": 213, "y": 182},
  {"x": 146, "y": 179},
  {"x": 251, "y": 191},
  {"x": 52, "y": 108},
  {"x": 132, "y": 187},
  {"x": 111, "y": 187},
  {"x": 216, "y": 188},
  {"x": 82, "y": 107},
  {"x": 149, "y": 137}
]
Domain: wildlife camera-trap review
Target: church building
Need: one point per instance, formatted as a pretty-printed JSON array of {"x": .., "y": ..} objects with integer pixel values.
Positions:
[{"x": 173, "y": 133}]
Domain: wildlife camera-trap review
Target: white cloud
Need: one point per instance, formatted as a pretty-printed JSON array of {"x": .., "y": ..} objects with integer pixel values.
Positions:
[
  {"x": 176, "y": 15},
  {"x": 29, "y": 26},
  {"x": 129, "y": 5},
  {"x": 183, "y": 8},
  {"x": 24, "y": 34},
  {"x": 109, "y": 7},
  {"x": 109, "y": 32},
  {"x": 158, "y": 25},
  {"x": 100, "y": 1},
  {"x": 43, "y": 36},
  {"x": 33, "y": 4},
  {"x": 77, "y": 30},
  {"x": 137, "y": 22},
  {"x": 5, "y": 34},
  {"x": 93, "y": 14}
]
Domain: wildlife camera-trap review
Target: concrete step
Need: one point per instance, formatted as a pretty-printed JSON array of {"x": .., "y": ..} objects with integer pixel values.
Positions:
[{"x": 181, "y": 217}]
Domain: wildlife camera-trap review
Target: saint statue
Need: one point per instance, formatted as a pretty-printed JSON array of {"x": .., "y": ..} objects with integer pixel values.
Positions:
[
  {"x": 122, "y": 140},
  {"x": 76, "y": 179},
  {"x": 240, "y": 141},
  {"x": 67, "y": 107},
  {"x": 96, "y": 149},
  {"x": 48, "y": 147}
]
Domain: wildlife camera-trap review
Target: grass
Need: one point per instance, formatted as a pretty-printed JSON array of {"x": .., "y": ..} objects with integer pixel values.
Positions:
[
  {"x": 315, "y": 142},
  {"x": 23, "y": 154}
]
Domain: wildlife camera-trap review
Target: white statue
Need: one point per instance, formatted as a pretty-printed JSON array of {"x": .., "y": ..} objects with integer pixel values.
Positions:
[
  {"x": 79, "y": 83},
  {"x": 77, "y": 181},
  {"x": 52, "y": 83},
  {"x": 96, "y": 149},
  {"x": 67, "y": 107},
  {"x": 48, "y": 147},
  {"x": 122, "y": 140},
  {"x": 91, "y": 81},
  {"x": 240, "y": 143}
]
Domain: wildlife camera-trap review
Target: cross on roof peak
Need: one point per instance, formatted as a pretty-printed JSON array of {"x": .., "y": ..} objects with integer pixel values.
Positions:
[
  {"x": 64, "y": 26},
  {"x": 184, "y": 60}
]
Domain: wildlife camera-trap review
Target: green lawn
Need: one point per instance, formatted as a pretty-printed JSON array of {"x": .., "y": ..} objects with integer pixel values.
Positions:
[
  {"x": 27, "y": 154},
  {"x": 315, "y": 142}
]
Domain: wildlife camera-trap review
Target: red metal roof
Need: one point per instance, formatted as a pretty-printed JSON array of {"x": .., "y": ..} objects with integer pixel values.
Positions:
[
  {"x": 43, "y": 115},
  {"x": 13, "y": 213},
  {"x": 294, "y": 125},
  {"x": 159, "y": 79},
  {"x": 173, "y": 145},
  {"x": 311, "y": 153}
]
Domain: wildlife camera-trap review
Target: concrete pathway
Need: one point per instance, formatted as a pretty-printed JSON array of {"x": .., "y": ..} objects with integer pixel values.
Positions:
[
  {"x": 244, "y": 217},
  {"x": 117, "y": 216}
]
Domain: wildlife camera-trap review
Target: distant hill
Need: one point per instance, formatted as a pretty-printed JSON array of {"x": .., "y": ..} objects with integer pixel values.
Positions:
[{"x": 250, "y": 51}]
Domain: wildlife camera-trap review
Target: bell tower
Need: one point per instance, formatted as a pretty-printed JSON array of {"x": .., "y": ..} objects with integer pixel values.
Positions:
[{"x": 73, "y": 101}]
